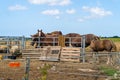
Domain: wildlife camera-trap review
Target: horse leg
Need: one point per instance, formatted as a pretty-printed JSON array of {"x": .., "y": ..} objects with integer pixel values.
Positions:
[
  {"x": 109, "y": 56},
  {"x": 70, "y": 45},
  {"x": 95, "y": 57},
  {"x": 35, "y": 45},
  {"x": 108, "y": 60}
]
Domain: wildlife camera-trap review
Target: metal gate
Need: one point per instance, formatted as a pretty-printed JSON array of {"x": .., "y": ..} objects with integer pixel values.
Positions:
[{"x": 6, "y": 42}]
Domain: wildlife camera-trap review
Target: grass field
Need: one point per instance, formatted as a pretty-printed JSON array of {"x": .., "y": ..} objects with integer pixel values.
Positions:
[{"x": 113, "y": 39}]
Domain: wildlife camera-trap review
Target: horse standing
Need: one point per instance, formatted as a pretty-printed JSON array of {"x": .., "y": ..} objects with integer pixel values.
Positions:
[
  {"x": 42, "y": 39},
  {"x": 89, "y": 38},
  {"x": 103, "y": 45},
  {"x": 74, "y": 39}
]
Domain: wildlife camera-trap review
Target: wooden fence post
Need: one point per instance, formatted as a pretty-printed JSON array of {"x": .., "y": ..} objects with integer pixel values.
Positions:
[{"x": 61, "y": 41}]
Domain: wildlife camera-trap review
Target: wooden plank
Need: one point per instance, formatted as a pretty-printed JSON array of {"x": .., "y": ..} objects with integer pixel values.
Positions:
[
  {"x": 70, "y": 48},
  {"x": 34, "y": 53},
  {"x": 68, "y": 59},
  {"x": 52, "y": 54},
  {"x": 71, "y": 57},
  {"x": 30, "y": 53},
  {"x": 70, "y": 51},
  {"x": 31, "y": 57},
  {"x": 70, "y": 54}
]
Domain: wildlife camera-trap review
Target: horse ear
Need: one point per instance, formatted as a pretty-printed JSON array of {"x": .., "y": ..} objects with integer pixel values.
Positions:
[
  {"x": 41, "y": 30},
  {"x": 96, "y": 38},
  {"x": 38, "y": 30}
]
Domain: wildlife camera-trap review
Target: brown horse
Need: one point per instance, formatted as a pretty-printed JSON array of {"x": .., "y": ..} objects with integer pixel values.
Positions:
[
  {"x": 42, "y": 39},
  {"x": 103, "y": 45},
  {"x": 89, "y": 38},
  {"x": 75, "y": 39},
  {"x": 57, "y": 33}
]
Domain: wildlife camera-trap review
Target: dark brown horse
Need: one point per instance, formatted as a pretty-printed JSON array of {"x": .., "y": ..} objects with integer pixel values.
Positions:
[
  {"x": 57, "y": 33},
  {"x": 103, "y": 45},
  {"x": 42, "y": 39},
  {"x": 75, "y": 39}
]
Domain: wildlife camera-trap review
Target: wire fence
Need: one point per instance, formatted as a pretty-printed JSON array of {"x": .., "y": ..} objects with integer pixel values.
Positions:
[
  {"x": 31, "y": 69},
  {"x": 12, "y": 69}
]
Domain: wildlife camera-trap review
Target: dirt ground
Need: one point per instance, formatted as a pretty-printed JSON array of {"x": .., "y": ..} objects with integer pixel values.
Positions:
[{"x": 56, "y": 71}]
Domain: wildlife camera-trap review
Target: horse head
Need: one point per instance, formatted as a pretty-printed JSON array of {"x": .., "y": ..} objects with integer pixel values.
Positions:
[
  {"x": 36, "y": 37},
  {"x": 89, "y": 38}
]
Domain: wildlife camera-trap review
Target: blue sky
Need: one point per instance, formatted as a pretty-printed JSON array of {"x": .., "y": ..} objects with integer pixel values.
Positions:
[{"x": 24, "y": 17}]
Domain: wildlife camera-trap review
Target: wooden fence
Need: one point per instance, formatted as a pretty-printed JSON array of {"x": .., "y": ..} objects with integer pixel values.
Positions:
[{"x": 70, "y": 54}]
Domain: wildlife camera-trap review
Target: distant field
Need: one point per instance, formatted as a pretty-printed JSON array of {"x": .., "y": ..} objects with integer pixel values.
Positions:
[{"x": 113, "y": 39}]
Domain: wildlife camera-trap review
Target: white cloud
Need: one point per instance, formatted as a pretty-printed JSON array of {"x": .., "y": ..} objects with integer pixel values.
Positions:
[
  {"x": 39, "y": 1},
  {"x": 57, "y": 17},
  {"x": 51, "y": 12},
  {"x": 81, "y": 20},
  {"x": 70, "y": 11},
  {"x": 96, "y": 11},
  {"x": 17, "y": 7},
  {"x": 65, "y": 2},
  {"x": 51, "y": 2}
]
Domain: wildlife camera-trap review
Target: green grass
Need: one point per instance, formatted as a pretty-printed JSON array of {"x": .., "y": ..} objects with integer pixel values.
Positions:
[
  {"x": 108, "y": 71},
  {"x": 43, "y": 71}
]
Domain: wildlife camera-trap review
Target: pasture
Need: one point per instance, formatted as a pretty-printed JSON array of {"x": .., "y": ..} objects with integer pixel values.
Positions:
[{"x": 61, "y": 70}]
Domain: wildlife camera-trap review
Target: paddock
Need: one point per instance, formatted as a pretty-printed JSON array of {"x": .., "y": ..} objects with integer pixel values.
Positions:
[
  {"x": 34, "y": 70},
  {"x": 73, "y": 63}
]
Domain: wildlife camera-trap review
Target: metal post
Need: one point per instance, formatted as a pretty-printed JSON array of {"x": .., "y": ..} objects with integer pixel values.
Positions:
[
  {"x": 70, "y": 41},
  {"x": 53, "y": 41},
  {"x": 27, "y": 69},
  {"x": 83, "y": 48},
  {"x": 8, "y": 45},
  {"x": 23, "y": 42},
  {"x": 38, "y": 42}
]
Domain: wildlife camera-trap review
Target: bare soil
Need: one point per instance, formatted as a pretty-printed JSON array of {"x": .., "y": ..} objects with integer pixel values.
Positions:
[{"x": 56, "y": 71}]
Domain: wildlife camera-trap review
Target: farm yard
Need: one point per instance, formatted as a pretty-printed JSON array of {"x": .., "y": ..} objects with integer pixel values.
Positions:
[
  {"x": 60, "y": 40},
  {"x": 58, "y": 63},
  {"x": 42, "y": 70}
]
